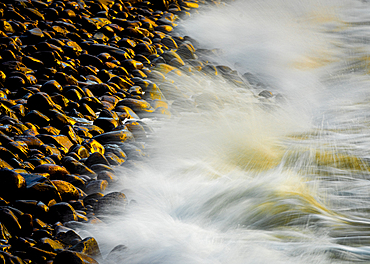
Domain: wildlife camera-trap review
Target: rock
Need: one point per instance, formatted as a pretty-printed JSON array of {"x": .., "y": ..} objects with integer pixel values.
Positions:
[
  {"x": 96, "y": 186},
  {"x": 42, "y": 191},
  {"x": 93, "y": 146},
  {"x": 72, "y": 257},
  {"x": 66, "y": 190},
  {"x": 114, "y": 136},
  {"x": 55, "y": 171},
  {"x": 88, "y": 246},
  {"x": 51, "y": 87},
  {"x": 69, "y": 237},
  {"x": 100, "y": 167},
  {"x": 63, "y": 212},
  {"x": 116, "y": 255},
  {"x": 34, "y": 207},
  {"x": 37, "y": 118},
  {"x": 111, "y": 203},
  {"x": 10, "y": 221},
  {"x": 107, "y": 176},
  {"x": 77, "y": 167},
  {"x": 12, "y": 184},
  {"x": 96, "y": 158},
  {"x": 49, "y": 244}
]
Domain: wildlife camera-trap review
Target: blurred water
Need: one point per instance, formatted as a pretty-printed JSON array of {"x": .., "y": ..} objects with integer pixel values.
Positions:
[{"x": 243, "y": 179}]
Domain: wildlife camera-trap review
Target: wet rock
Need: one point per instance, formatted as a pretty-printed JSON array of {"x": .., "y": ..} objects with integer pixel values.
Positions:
[
  {"x": 100, "y": 167},
  {"x": 107, "y": 176},
  {"x": 69, "y": 237},
  {"x": 114, "y": 136},
  {"x": 96, "y": 158},
  {"x": 10, "y": 221},
  {"x": 139, "y": 106},
  {"x": 96, "y": 186},
  {"x": 51, "y": 87},
  {"x": 12, "y": 184},
  {"x": 77, "y": 167},
  {"x": 63, "y": 212},
  {"x": 60, "y": 141},
  {"x": 111, "y": 203},
  {"x": 68, "y": 256},
  {"x": 66, "y": 190},
  {"x": 42, "y": 191},
  {"x": 49, "y": 244},
  {"x": 88, "y": 246},
  {"x": 80, "y": 150},
  {"x": 113, "y": 159},
  {"x": 33, "y": 207},
  {"x": 40, "y": 101},
  {"x": 77, "y": 181},
  {"x": 107, "y": 124},
  {"x": 93, "y": 146}
]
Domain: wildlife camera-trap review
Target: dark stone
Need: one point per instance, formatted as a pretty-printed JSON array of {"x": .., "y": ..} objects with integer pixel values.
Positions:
[
  {"x": 96, "y": 186},
  {"x": 63, "y": 212},
  {"x": 59, "y": 119},
  {"x": 77, "y": 167},
  {"x": 49, "y": 244},
  {"x": 34, "y": 207},
  {"x": 66, "y": 190},
  {"x": 87, "y": 59},
  {"x": 62, "y": 142},
  {"x": 111, "y": 203},
  {"x": 40, "y": 101},
  {"x": 88, "y": 246},
  {"x": 19, "y": 148},
  {"x": 51, "y": 87},
  {"x": 114, "y": 136},
  {"x": 71, "y": 257},
  {"x": 80, "y": 150},
  {"x": 106, "y": 123},
  {"x": 113, "y": 148},
  {"x": 113, "y": 159},
  {"x": 42, "y": 191},
  {"x": 93, "y": 146},
  {"x": 107, "y": 175},
  {"x": 96, "y": 158},
  {"x": 101, "y": 167},
  {"x": 12, "y": 183},
  {"x": 10, "y": 221}
]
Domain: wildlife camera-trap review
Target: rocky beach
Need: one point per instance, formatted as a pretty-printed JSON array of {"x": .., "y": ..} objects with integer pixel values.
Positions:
[
  {"x": 184, "y": 131},
  {"x": 78, "y": 80}
]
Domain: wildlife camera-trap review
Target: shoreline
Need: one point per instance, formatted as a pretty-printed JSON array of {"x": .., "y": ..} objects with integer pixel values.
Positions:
[{"x": 76, "y": 80}]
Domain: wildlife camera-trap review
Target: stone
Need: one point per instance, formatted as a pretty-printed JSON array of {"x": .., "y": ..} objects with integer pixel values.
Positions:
[
  {"x": 96, "y": 158},
  {"x": 42, "y": 191},
  {"x": 111, "y": 203},
  {"x": 72, "y": 257},
  {"x": 66, "y": 190},
  {"x": 107, "y": 176},
  {"x": 12, "y": 183},
  {"x": 88, "y": 246},
  {"x": 77, "y": 167},
  {"x": 55, "y": 171},
  {"x": 63, "y": 212},
  {"x": 34, "y": 207},
  {"x": 96, "y": 186},
  {"x": 114, "y": 136},
  {"x": 10, "y": 221}
]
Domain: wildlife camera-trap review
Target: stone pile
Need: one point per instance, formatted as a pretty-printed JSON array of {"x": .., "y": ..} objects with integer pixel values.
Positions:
[{"x": 76, "y": 78}]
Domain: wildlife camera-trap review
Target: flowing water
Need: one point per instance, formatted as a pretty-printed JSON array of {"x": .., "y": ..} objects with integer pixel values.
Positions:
[{"x": 245, "y": 179}]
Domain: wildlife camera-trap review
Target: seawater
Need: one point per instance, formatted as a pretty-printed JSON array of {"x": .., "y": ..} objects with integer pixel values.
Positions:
[{"x": 244, "y": 179}]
